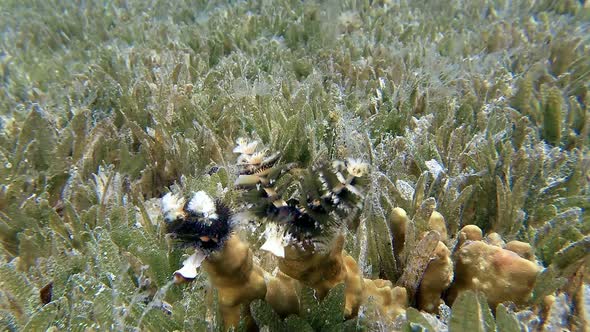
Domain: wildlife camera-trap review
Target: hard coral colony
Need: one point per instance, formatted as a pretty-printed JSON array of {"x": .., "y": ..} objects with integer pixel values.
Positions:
[{"x": 306, "y": 213}]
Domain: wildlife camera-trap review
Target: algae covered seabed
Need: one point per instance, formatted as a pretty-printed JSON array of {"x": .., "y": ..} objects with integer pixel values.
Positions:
[{"x": 477, "y": 109}]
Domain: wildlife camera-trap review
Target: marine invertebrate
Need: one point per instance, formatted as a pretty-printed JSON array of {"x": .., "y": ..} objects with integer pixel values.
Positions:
[
  {"x": 398, "y": 221},
  {"x": 469, "y": 233},
  {"x": 324, "y": 268},
  {"x": 500, "y": 274},
  {"x": 305, "y": 212},
  {"x": 522, "y": 249},
  {"x": 391, "y": 301},
  {"x": 206, "y": 226},
  {"x": 201, "y": 223},
  {"x": 436, "y": 279},
  {"x": 237, "y": 279}
]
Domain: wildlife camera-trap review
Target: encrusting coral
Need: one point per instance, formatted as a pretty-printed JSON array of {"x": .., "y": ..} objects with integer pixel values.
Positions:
[
  {"x": 522, "y": 249},
  {"x": 436, "y": 279},
  {"x": 282, "y": 293},
  {"x": 391, "y": 301},
  {"x": 324, "y": 269},
  {"x": 436, "y": 222},
  {"x": 439, "y": 273},
  {"x": 501, "y": 274},
  {"x": 237, "y": 279},
  {"x": 494, "y": 239},
  {"x": 469, "y": 233},
  {"x": 398, "y": 221}
]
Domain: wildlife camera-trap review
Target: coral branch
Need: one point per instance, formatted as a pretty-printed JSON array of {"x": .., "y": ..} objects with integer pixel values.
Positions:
[{"x": 237, "y": 279}]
